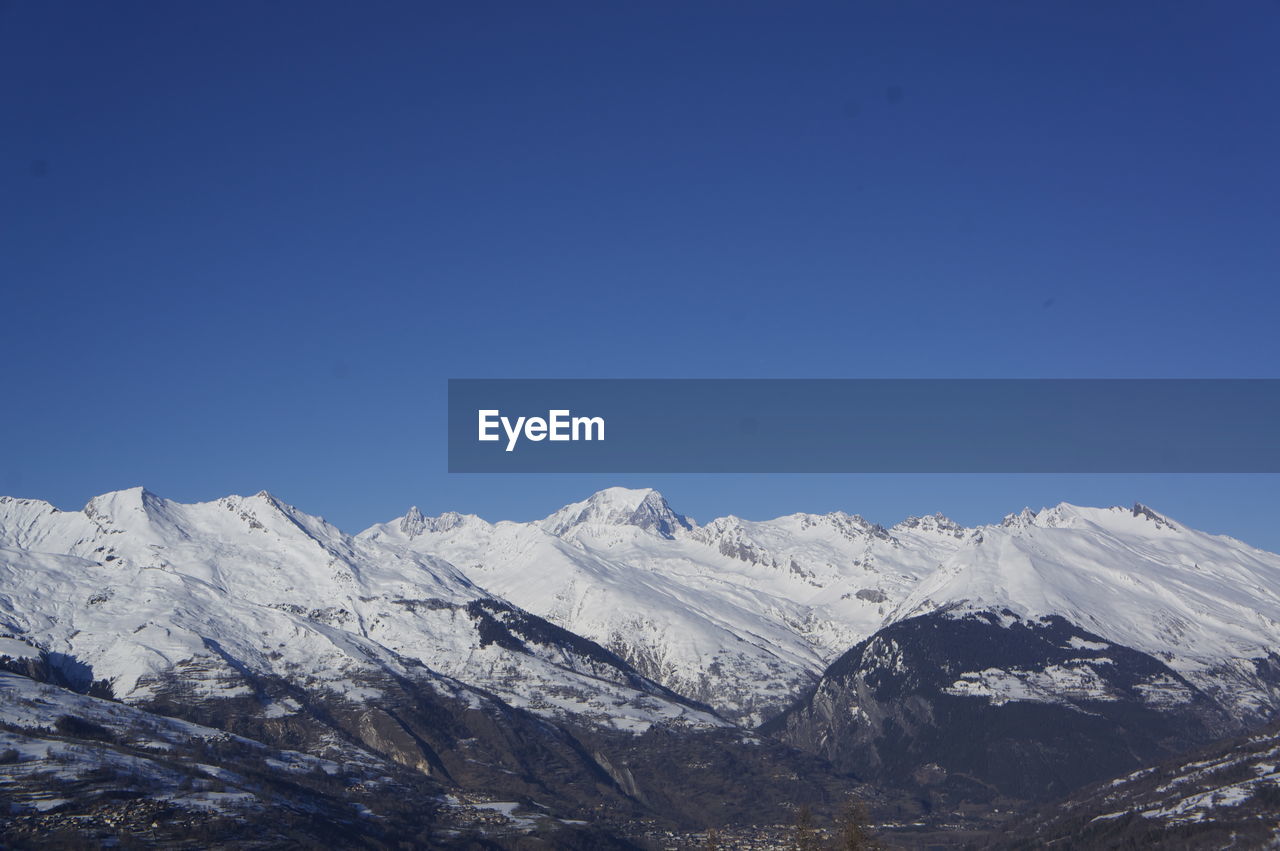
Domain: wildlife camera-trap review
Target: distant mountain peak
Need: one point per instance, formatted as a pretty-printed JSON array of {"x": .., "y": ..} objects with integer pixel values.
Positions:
[
  {"x": 1067, "y": 515},
  {"x": 413, "y": 523},
  {"x": 1060, "y": 515},
  {"x": 1025, "y": 517},
  {"x": 117, "y": 505},
  {"x": 1140, "y": 510},
  {"x": 273, "y": 501},
  {"x": 644, "y": 508},
  {"x": 936, "y": 522}
]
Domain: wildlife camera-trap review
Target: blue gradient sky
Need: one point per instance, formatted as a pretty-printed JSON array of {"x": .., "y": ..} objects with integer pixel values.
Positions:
[{"x": 242, "y": 245}]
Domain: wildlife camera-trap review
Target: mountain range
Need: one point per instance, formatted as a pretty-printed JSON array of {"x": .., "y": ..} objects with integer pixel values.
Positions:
[{"x": 616, "y": 666}]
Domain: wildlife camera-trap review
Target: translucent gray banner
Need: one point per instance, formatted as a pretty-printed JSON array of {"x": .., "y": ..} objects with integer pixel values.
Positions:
[{"x": 864, "y": 426}]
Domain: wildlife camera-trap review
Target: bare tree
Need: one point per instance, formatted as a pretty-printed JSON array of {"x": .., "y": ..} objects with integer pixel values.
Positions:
[
  {"x": 853, "y": 829},
  {"x": 806, "y": 835}
]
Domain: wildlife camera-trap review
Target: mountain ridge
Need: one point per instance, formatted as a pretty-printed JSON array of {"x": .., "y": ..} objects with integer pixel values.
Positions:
[
  {"x": 619, "y": 636},
  {"x": 803, "y": 588}
]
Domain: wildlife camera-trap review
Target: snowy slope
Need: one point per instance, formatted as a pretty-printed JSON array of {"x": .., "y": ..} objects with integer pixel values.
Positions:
[
  {"x": 146, "y": 747},
  {"x": 135, "y": 587},
  {"x": 75, "y": 767}
]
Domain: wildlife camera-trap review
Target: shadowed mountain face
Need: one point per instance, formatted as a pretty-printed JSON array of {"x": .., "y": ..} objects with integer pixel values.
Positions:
[
  {"x": 1225, "y": 795},
  {"x": 987, "y": 703}
]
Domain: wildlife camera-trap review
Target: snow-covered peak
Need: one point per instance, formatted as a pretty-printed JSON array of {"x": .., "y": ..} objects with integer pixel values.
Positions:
[
  {"x": 1062, "y": 515},
  {"x": 414, "y": 525},
  {"x": 644, "y": 508},
  {"x": 20, "y": 517},
  {"x": 849, "y": 525},
  {"x": 1130, "y": 575},
  {"x": 937, "y": 523},
  {"x": 122, "y": 506},
  {"x": 1022, "y": 519},
  {"x": 760, "y": 541},
  {"x": 1161, "y": 521},
  {"x": 1138, "y": 520}
]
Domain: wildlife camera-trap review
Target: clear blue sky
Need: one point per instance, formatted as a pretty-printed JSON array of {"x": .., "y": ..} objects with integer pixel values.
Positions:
[{"x": 243, "y": 245}]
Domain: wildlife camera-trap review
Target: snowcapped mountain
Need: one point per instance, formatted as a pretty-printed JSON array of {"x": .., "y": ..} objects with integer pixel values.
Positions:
[
  {"x": 247, "y": 616},
  {"x": 136, "y": 586},
  {"x": 576, "y": 659},
  {"x": 1052, "y": 650},
  {"x": 782, "y": 598},
  {"x": 644, "y": 509},
  {"x": 747, "y": 615},
  {"x": 743, "y": 615},
  {"x": 989, "y": 704},
  {"x": 1206, "y": 605}
]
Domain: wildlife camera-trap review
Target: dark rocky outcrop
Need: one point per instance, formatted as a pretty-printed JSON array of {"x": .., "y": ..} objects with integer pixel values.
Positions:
[
  {"x": 989, "y": 704},
  {"x": 1224, "y": 795}
]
